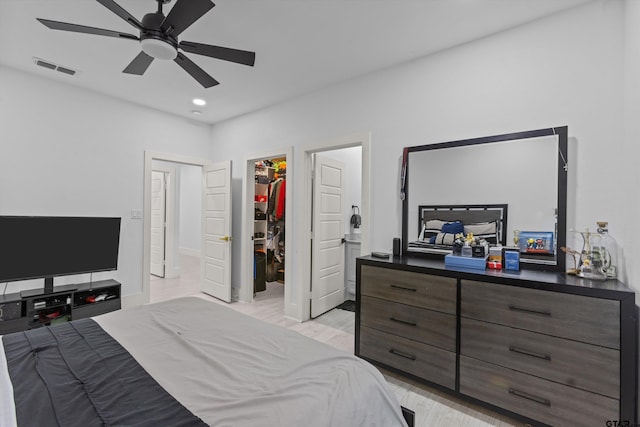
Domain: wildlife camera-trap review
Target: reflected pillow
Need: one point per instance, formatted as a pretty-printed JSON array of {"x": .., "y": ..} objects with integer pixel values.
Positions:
[
  {"x": 482, "y": 230},
  {"x": 445, "y": 239},
  {"x": 452, "y": 228},
  {"x": 431, "y": 228}
]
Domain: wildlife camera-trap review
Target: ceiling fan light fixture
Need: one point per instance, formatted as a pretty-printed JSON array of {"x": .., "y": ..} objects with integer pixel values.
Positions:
[
  {"x": 158, "y": 49},
  {"x": 158, "y": 38}
]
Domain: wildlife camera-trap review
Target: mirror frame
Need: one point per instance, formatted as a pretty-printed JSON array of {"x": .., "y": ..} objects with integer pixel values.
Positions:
[{"x": 561, "y": 217}]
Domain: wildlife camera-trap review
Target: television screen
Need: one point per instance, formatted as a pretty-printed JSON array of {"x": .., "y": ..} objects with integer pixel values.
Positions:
[{"x": 44, "y": 247}]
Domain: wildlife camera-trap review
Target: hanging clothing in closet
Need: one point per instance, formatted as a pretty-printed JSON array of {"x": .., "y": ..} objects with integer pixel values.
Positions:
[{"x": 277, "y": 191}]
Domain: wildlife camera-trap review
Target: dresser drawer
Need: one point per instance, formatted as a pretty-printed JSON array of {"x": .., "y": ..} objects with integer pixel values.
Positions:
[
  {"x": 421, "y": 290},
  {"x": 586, "y": 319},
  {"x": 419, "y": 324},
  {"x": 424, "y": 361},
  {"x": 539, "y": 399},
  {"x": 573, "y": 363}
]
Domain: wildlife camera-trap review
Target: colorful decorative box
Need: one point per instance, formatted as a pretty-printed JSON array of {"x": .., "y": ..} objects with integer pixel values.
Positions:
[
  {"x": 465, "y": 262},
  {"x": 536, "y": 242}
]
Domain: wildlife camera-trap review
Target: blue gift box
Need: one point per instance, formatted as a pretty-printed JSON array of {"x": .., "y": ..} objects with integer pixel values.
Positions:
[
  {"x": 511, "y": 259},
  {"x": 451, "y": 260}
]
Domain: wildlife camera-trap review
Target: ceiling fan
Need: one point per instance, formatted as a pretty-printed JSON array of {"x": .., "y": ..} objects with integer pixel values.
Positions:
[{"x": 159, "y": 37}]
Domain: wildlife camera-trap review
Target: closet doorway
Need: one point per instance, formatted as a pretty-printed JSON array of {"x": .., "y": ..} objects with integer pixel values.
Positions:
[
  {"x": 269, "y": 223},
  {"x": 265, "y": 259}
]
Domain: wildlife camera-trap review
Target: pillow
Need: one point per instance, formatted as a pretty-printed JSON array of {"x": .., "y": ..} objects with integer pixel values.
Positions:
[
  {"x": 453, "y": 228},
  {"x": 482, "y": 230},
  {"x": 430, "y": 228},
  {"x": 434, "y": 224},
  {"x": 445, "y": 239}
]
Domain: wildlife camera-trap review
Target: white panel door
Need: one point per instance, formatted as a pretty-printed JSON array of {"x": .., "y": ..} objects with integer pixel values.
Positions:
[
  {"x": 216, "y": 230},
  {"x": 158, "y": 223},
  {"x": 327, "y": 245}
]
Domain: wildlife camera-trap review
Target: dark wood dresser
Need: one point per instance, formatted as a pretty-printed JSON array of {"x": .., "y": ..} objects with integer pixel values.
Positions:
[{"x": 544, "y": 347}]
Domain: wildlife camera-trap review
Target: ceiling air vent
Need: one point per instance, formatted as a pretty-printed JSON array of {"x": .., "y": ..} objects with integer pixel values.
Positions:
[{"x": 51, "y": 66}]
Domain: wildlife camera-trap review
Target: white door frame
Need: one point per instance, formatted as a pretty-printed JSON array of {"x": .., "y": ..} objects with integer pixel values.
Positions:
[
  {"x": 302, "y": 308},
  {"x": 245, "y": 292},
  {"x": 149, "y": 156}
]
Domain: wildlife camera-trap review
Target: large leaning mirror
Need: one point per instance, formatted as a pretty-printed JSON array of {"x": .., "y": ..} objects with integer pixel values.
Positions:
[{"x": 510, "y": 189}]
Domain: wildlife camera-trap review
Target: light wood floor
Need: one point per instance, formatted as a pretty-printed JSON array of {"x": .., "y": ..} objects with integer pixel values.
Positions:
[{"x": 336, "y": 328}]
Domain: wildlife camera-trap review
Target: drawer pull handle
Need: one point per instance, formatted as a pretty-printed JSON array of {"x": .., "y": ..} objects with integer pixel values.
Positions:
[
  {"x": 402, "y": 354},
  {"x": 528, "y": 310},
  {"x": 531, "y": 397},
  {"x": 529, "y": 353},
  {"x": 404, "y": 288},
  {"x": 404, "y": 322}
]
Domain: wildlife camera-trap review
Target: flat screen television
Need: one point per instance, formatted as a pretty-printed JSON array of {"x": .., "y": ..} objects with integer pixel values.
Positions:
[{"x": 33, "y": 247}]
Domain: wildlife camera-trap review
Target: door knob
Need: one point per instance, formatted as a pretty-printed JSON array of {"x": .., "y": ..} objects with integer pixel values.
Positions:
[{"x": 225, "y": 238}]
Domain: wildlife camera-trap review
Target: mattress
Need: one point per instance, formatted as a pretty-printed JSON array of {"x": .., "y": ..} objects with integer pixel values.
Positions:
[{"x": 223, "y": 367}]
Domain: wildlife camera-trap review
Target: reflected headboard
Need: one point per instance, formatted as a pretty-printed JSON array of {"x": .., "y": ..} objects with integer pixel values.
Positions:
[{"x": 473, "y": 217}]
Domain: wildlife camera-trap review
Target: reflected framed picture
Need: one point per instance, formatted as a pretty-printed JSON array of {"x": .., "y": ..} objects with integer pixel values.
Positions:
[{"x": 536, "y": 242}]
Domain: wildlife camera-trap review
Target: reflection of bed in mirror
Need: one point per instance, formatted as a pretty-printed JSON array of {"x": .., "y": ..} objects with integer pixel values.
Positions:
[
  {"x": 526, "y": 170},
  {"x": 488, "y": 222}
]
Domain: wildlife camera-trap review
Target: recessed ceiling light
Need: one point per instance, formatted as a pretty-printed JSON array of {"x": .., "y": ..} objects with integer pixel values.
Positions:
[
  {"x": 199, "y": 102},
  {"x": 196, "y": 112}
]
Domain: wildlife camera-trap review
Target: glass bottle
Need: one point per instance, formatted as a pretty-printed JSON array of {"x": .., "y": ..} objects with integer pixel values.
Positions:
[
  {"x": 592, "y": 259},
  {"x": 608, "y": 249}
]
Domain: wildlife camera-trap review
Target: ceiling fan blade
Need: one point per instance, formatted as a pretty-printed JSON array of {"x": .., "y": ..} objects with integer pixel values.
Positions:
[
  {"x": 64, "y": 26},
  {"x": 183, "y": 14},
  {"x": 196, "y": 72},
  {"x": 139, "y": 64},
  {"x": 118, "y": 10},
  {"x": 227, "y": 54}
]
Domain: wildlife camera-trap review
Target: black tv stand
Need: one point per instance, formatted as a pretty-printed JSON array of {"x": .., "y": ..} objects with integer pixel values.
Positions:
[
  {"x": 28, "y": 293},
  {"x": 34, "y": 308}
]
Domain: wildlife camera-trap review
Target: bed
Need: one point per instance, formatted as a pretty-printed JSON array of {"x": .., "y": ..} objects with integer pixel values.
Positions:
[
  {"x": 186, "y": 362},
  {"x": 438, "y": 225}
]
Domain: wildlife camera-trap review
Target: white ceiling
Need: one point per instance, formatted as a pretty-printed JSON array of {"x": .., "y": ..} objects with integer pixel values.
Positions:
[{"x": 301, "y": 45}]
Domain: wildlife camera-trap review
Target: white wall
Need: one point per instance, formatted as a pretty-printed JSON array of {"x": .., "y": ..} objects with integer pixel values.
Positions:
[
  {"x": 563, "y": 70},
  {"x": 67, "y": 151},
  {"x": 629, "y": 171}
]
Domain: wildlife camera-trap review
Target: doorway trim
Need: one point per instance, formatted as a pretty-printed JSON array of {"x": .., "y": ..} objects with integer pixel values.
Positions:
[
  {"x": 303, "y": 248},
  {"x": 149, "y": 156},
  {"x": 245, "y": 293}
]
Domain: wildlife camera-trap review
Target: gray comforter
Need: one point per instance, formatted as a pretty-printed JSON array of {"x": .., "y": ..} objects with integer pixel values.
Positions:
[{"x": 229, "y": 369}]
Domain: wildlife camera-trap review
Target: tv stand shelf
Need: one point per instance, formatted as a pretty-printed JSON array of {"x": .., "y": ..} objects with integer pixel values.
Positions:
[{"x": 35, "y": 308}]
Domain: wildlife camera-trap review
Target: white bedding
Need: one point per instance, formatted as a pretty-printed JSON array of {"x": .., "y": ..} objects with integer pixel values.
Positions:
[{"x": 233, "y": 370}]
